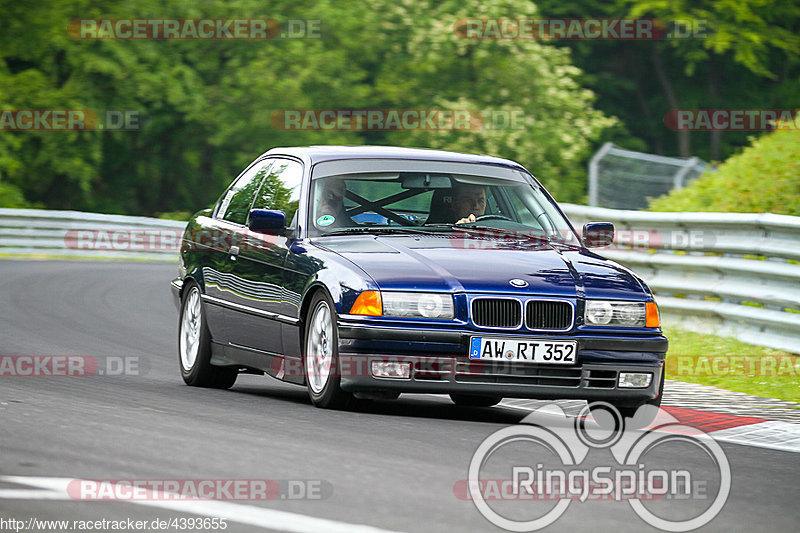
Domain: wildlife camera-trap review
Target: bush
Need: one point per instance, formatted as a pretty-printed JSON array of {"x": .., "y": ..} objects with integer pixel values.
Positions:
[
  {"x": 11, "y": 196},
  {"x": 764, "y": 178}
]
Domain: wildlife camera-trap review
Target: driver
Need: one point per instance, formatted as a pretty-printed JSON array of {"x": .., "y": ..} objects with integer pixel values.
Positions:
[{"x": 469, "y": 202}]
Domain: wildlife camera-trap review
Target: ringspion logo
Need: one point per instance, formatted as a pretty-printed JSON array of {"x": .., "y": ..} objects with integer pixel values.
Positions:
[{"x": 544, "y": 460}]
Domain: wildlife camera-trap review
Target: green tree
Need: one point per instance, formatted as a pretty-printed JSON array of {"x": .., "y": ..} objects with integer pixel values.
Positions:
[
  {"x": 533, "y": 108},
  {"x": 759, "y": 35},
  {"x": 748, "y": 60},
  {"x": 206, "y": 107}
]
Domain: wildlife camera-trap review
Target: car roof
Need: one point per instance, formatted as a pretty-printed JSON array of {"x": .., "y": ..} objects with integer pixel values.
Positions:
[{"x": 317, "y": 154}]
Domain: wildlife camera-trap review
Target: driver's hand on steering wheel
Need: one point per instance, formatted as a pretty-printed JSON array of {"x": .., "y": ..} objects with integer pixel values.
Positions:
[{"x": 465, "y": 220}]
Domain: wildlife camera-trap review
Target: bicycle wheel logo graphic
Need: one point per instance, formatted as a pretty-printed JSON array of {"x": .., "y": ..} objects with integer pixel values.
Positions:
[{"x": 569, "y": 444}]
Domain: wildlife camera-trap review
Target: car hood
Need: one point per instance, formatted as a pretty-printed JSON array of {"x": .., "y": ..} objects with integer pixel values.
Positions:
[{"x": 478, "y": 264}]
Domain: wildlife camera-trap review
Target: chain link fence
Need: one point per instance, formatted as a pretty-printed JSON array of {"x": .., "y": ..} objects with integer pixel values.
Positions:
[{"x": 624, "y": 179}]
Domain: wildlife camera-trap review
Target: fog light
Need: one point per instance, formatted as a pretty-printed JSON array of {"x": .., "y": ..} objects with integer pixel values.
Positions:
[
  {"x": 388, "y": 369},
  {"x": 635, "y": 380}
]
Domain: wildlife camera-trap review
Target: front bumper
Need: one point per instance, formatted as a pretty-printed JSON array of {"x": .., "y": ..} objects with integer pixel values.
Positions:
[{"x": 439, "y": 364}]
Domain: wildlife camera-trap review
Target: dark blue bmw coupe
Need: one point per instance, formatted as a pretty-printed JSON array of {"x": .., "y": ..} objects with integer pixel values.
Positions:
[{"x": 372, "y": 271}]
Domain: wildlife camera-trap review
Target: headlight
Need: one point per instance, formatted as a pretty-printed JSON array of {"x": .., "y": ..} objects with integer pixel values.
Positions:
[
  {"x": 418, "y": 305},
  {"x": 404, "y": 304},
  {"x": 626, "y": 314}
]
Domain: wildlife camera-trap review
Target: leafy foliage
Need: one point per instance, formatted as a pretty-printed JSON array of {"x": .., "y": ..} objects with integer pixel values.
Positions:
[
  {"x": 11, "y": 196},
  {"x": 765, "y": 177},
  {"x": 205, "y": 106},
  {"x": 731, "y": 54}
]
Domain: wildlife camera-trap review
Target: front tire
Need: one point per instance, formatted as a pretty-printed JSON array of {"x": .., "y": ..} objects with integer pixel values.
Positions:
[
  {"x": 474, "y": 400},
  {"x": 194, "y": 346},
  {"x": 321, "y": 354}
]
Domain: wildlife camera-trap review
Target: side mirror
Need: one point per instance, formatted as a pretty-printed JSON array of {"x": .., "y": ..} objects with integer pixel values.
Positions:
[
  {"x": 598, "y": 234},
  {"x": 266, "y": 221}
]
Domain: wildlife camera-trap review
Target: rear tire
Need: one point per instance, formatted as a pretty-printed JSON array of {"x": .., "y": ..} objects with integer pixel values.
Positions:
[
  {"x": 321, "y": 355},
  {"x": 474, "y": 400},
  {"x": 194, "y": 346}
]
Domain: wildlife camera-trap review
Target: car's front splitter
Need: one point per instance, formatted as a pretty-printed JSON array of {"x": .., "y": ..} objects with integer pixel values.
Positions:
[{"x": 441, "y": 375}]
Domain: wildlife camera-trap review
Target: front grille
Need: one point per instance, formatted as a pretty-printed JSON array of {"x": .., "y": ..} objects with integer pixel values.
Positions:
[
  {"x": 601, "y": 379},
  {"x": 518, "y": 374},
  {"x": 497, "y": 312},
  {"x": 544, "y": 314},
  {"x": 503, "y": 373},
  {"x": 432, "y": 369}
]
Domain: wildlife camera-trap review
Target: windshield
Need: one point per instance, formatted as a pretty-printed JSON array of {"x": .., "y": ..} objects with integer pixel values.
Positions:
[{"x": 398, "y": 202}]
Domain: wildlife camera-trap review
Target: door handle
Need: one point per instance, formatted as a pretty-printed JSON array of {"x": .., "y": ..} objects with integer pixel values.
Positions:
[{"x": 234, "y": 252}]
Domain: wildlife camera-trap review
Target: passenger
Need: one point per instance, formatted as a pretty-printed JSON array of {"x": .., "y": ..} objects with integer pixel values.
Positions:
[{"x": 330, "y": 210}]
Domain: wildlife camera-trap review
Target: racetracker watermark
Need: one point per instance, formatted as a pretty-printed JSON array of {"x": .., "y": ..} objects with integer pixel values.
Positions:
[
  {"x": 144, "y": 239},
  {"x": 182, "y": 523},
  {"x": 732, "y": 119},
  {"x": 494, "y": 361},
  {"x": 199, "y": 489},
  {"x": 136, "y": 239},
  {"x": 70, "y": 366},
  {"x": 766, "y": 366},
  {"x": 601, "y": 483},
  {"x": 69, "y": 119},
  {"x": 194, "y": 29},
  {"x": 544, "y": 460},
  {"x": 624, "y": 239},
  {"x": 592, "y": 29},
  {"x": 397, "y": 119}
]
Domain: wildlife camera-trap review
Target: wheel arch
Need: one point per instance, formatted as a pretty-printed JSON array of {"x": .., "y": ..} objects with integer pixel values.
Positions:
[
  {"x": 312, "y": 291},
  {"x": 186, "y": 282}
]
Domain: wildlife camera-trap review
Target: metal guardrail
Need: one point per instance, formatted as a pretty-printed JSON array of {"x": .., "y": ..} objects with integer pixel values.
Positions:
[
  {"x": 732, "y": 274},
  {"x": 74, "y": 233}
]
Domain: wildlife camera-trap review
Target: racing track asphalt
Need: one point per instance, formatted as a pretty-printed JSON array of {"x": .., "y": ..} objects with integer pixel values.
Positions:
[{"x": 391, "y": 465}]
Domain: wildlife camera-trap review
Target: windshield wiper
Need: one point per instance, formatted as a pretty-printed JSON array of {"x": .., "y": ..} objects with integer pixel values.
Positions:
[
  {"x": 377, "y": 230},
  {"x": 518, "y": 235}
]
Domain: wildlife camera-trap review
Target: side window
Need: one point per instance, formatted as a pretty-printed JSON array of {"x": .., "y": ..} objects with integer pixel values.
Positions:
[
  {"x": 280, "y": 189},
  {"x": 492, "y": 205},
  {"x": 235, "y": 205}
]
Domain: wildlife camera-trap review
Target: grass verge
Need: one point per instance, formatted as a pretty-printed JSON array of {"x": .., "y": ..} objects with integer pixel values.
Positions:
[{"x": 733, "y": 365}]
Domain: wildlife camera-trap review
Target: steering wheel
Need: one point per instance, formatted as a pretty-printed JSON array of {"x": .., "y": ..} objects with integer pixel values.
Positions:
[{"x": 491, "y": 217}]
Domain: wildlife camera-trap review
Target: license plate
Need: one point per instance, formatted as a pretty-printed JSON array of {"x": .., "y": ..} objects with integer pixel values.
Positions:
[{"x": 522, "y": 350}]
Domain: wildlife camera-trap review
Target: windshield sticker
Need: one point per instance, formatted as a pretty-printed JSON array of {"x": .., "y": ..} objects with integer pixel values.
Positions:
[{"x": 325, "y": 220}]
